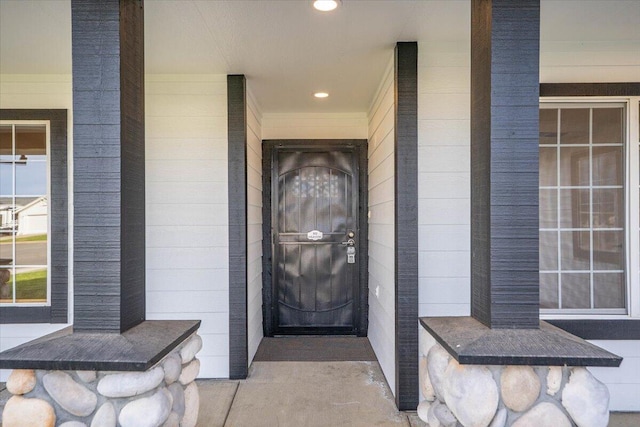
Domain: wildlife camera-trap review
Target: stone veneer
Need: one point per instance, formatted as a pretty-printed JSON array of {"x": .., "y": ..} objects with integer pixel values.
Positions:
[
  {"x": 164, "y": 395},
  {"x": 497, "y": 396}
]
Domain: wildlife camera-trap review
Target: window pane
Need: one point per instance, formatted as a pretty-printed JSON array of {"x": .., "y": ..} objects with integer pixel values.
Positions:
[
  {"x": 607, "y": 166},
  {"x": 608, "y": 250},
  {"x": 574, "y": 126},
  {"x": 548, "y": 208},
  {"x": 549, "y": 126},
  {"x": 575, "y": 290},
  {"x": 31, "y": 178},
  {"x": 608, "y": 125},
  {"x": 31, "y": 142},
  {"x": 549, "y": 290},
  {"x": 575, "y": 250},
  {"x": 548, "y": 166},
  {"x": 574, "y": 166},
  {"x": 6, "y": 249},
  {"x": 574, "y": 208},
  {"x": 6, "y": 179},
  {"x": 608, "y": 205},
  {"x": 548, "y": 250},
  {"x": 31, "y": 285},
  {"x": 6, "y": 285},
  {"x": 6, "y": 150},
  {"x": 609, "y": 290},
  {"x": 32, "y": 249}
]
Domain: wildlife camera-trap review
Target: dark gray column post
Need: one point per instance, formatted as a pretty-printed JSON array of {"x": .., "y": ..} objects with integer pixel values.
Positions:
[
  {"x": 237, "y": 140},
  {"x": 505, "y": 49},
  {"x": 406, "y": 223},
  {"x": 108, "y": 162}
]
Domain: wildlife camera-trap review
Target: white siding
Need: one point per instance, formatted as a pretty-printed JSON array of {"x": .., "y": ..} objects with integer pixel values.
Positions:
[
  {"x": 443, "y": 180},
  {"x": 381, "y": 228},
  {"x": 254, "y": 226},
  {"x": 38, "y": 91},
  {"x": 187, "y": 208},
  {"x": 314, "y": 126},
  {"x": 443, "y": 164}
]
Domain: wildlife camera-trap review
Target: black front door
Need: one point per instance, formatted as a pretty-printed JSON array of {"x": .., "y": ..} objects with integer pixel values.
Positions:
[{"x": 315, "y": 240}]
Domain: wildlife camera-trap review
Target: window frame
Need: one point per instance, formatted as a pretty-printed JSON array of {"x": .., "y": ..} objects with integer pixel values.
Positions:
[
  {"x": 630, "y": 278},
  {"x": 56, "y": 310},
  {"x": 598, "y": 326}
]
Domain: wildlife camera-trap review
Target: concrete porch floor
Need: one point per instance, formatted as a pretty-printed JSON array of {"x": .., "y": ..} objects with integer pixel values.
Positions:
[{"x": 314, "y": 394}]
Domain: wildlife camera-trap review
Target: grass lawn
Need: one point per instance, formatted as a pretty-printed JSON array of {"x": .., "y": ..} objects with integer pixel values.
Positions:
[{"x": 31, "y": 285}]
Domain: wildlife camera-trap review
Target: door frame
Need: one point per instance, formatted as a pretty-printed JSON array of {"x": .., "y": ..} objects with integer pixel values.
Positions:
[{"x": 269, "y": 148}]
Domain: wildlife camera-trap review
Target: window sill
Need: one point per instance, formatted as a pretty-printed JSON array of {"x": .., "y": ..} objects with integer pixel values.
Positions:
[{"x": 600, "y": 329}]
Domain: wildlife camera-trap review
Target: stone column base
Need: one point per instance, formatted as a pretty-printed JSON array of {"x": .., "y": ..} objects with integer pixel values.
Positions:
[
  {"x": 498, "y": 396},
  {"x": 164, "y": 395}
]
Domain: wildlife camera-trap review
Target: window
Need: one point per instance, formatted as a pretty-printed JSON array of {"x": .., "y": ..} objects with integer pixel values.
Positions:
[
  {"x": 33, "y": 216},
  {"x": 585, "y": 173},
  {"x": 24, "y": 213}
]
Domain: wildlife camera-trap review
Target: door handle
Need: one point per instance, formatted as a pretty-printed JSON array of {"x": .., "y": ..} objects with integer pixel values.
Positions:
[{"x": 349, "y": 242}]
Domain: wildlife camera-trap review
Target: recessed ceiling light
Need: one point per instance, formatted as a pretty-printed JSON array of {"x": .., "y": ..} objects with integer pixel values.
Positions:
[
  {"x": 326, "y": 5},
  {"x": 321, "y": 94}
]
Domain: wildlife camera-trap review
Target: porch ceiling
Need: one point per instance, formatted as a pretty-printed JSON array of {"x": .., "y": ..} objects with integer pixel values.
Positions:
[{"x": 286, "y": 49}]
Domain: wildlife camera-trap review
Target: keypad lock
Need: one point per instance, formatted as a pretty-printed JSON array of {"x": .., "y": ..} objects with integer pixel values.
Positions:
[{"x": 351, "y": 255}]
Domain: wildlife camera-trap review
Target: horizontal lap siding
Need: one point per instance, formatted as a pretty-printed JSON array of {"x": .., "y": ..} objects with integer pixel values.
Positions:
[
  {"x": 42, "y": 91},
  {"x": 314, "y": 126},
  {"x": 381, "y": 228},
  {"x": 444, "y": 179},
  {"x": 254, "y": 226},
  {"x": 187, "y": 220}
]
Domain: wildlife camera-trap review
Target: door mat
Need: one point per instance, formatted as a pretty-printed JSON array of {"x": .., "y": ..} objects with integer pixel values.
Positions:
[{"x": 315, "y": 349}]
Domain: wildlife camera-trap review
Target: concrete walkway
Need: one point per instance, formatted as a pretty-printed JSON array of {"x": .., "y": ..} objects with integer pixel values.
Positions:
[{"x": 297, "y": 394}]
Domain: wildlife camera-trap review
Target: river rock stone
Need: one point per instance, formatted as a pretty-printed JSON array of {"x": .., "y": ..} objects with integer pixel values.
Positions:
[
  {"x": 554, "y": 380},
  {"x": 500, "y": 419},
  {"x": 20, "y": 411},
  {"x": 172, "y": 421},
  {"x": 423, "y": 409},
  {"x": 172, "y": 367},
  {"x": 425, "y": 382},
  {"x": 21, "y": 381},
  {"x": 73, "y": 397},
  {"x": 544, "y": 414},
  {"x": 437, "y": 362},
  {"x": 440, "y": 414},
  {"x": 586, "y": 399},
  {"x": 177, "y": 392},
  {"x": 470, "y": 393},
  {"x": 520, "y": 387},
  {"x": 105, "y": 416},
  {"x": 150, "y": 411},
  {"x": 426, "y": 342},
  {"x": 127, "y": 384},
  {"x": 73, "y": 424},
  {"x": 191, "y": 406},
  {"x": 191, "y": 348},
  {"x": 87, "y": 376},
  {"x": 189, "y": 372}
]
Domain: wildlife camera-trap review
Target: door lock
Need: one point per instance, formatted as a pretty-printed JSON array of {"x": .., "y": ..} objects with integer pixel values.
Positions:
[{"x": 349, "y": 242}]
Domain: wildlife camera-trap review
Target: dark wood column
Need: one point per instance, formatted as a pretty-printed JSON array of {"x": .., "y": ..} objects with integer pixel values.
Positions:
[
  {"x": 406, "y": 224},
  {"x": 505, "y": 49},
  {"x": 237, "y": 151},
  {"x": 108, "y": 159}
]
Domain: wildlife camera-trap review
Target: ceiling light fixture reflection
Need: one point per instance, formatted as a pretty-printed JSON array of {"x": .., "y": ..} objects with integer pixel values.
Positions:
[
  {"x": 326, "y": 5},
  {"x": 321, "y": 94}
]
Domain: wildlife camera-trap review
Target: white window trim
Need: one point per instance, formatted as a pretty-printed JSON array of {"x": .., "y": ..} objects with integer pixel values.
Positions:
[
  {"x": 632, "y": 206},
  {"x": 47, "y": 124}
]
